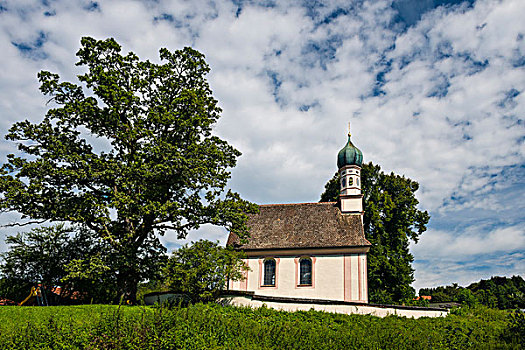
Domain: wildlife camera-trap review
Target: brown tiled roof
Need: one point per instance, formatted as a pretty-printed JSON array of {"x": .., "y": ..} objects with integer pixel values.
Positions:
[{"x": 305, "y": 225}]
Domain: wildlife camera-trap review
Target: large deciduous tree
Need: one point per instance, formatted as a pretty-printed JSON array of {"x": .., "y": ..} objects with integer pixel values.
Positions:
[
  {"x": 391, "y": 220},
  {"x": 129, "y": 153}
]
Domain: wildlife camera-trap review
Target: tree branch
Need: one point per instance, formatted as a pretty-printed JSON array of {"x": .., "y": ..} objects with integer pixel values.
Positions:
[
  {"x": 17, "y": 224},
  {"x": 169, "y": 227}
]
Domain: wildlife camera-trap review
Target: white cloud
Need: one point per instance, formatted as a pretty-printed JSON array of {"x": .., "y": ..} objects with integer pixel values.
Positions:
[
  {"x": 207, "y": 231},
  {"x": 465, "y": 257},
  {"x": 473, "y": 241},
  {"x": 441, "y": 102},
  {"x": 445, "y": 272}
]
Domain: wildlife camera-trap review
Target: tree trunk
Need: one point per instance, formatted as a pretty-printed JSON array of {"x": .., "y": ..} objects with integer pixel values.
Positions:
[
  {"x": 128, "y": 275},
  {"x": 127, "y": 283}
]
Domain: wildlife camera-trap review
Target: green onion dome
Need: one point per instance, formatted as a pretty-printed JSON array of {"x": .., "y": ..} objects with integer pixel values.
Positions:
[{"x": 349, "y": 155}]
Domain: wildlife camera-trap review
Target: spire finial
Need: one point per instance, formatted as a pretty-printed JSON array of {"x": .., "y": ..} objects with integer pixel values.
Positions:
[{"x": 349, "y": 134}]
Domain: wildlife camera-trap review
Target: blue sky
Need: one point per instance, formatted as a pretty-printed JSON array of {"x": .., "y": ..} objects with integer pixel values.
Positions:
[{"x": 433, "y": 89}]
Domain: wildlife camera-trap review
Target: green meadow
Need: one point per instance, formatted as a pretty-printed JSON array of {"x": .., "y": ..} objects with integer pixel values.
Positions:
[{"x": 210, "y": 326}]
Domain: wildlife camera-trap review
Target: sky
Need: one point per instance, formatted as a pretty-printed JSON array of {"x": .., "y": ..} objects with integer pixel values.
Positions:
[{"x": 433, "y": 89}]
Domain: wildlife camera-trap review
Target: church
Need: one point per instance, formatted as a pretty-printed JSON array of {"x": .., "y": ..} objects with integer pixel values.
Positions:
[{"x": 310, "y": 250}]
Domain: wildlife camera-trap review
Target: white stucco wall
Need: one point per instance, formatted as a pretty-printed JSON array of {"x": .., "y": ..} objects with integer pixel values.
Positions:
[
  {"x": 344, "y": 309},
  {"x": 334, "y": 277},
  {"x": 351, "y": 205}
]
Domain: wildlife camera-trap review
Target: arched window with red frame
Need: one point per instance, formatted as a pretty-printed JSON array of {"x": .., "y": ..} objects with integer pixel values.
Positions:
[
  {"x": 269, "y": 272},
  {"x": 305, "y": 272}
]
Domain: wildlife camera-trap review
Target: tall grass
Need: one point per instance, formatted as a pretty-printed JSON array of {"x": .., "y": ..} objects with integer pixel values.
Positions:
[{"x": 216, "y": 327}]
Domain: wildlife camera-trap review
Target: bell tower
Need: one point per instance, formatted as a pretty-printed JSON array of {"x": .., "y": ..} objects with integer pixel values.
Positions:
[{"x": 349, "y": 161}]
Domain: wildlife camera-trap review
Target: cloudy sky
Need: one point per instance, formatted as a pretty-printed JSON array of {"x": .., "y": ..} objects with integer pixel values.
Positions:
[{"x": 434, "y": 90}]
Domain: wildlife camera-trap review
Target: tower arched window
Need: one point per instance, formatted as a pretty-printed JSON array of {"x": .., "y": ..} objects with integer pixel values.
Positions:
[
  {"x": 269, "y": 272},
  {"x": 305, "y": 272}
]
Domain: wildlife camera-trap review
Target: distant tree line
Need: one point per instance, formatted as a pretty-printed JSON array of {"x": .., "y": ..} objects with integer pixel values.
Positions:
[{"x": 496, "y": 292}]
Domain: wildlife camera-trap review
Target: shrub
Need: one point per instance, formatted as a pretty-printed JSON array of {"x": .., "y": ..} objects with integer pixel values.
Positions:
[{"x": 202, "y": 270}]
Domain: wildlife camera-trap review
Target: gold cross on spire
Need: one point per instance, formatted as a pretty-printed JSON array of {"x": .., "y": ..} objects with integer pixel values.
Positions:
[{"x": 349, "y": 134}]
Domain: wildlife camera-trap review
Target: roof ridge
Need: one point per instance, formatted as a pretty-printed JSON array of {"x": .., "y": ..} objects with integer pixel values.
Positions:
[{"x": 306, "y": 203}]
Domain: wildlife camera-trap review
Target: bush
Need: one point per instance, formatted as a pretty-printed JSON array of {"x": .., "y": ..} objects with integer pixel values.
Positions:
[{"x": 202, "y": 270}]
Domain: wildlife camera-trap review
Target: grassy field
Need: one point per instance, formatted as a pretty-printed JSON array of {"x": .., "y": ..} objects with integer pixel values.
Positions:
[{"x": 217, "y": 327}]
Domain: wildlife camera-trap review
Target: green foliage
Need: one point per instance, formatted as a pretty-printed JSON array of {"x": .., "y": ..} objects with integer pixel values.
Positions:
[
  {"x": 129, "y": 153},
  {"x": 467, "y": 298},
  {"x": 415, "y": 302},
  {"x": 332, "y": 189},
  {"x": 496, "y": 292},
  {"x": 209, "y": 326},
  {"x": 442, "y": 294},
  {"x": 391, "y": 220},
  {"x": 203, "y": 269},
  {"x": 41, "y": 256},
  {"x": 515, "y": 331},
  {"x": 71, "y": 258},
  {"x": 97, "y": 273},
  {"x": 92, "y": 278}
]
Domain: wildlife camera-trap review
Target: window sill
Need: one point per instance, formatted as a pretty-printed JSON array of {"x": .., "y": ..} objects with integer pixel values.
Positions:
[{"x": 304, "y": 285}]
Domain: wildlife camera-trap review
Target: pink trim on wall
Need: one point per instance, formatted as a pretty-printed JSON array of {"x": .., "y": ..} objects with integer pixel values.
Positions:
[
  {"x": 359, "y": 277},
  {"x": 347, "y": 277},
  {"x": 366, "y": 279},
  {"x": 261, "y": 261},
  {"x": 261, "y": 268},
  {"x": 296, "y": 261},
  {"x": 277, "y": 261}
]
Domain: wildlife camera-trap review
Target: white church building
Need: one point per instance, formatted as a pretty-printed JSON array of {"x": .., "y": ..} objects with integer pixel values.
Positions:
[
  {"x": 310, "y": 250},
  {"x": 313, "y": 255}
]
